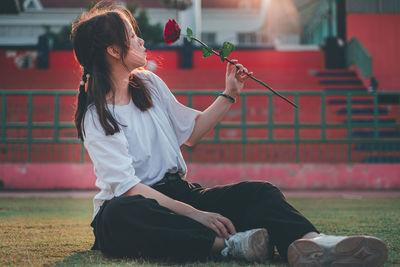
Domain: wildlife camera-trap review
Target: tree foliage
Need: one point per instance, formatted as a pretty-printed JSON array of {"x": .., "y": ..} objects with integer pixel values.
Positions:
[
  {"x": 152, "y": 34},
  {"x": 60, "y": 38}
]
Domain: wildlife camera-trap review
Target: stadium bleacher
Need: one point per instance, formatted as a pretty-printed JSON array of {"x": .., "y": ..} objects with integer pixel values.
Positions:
[{"x": 284, "y": 71}]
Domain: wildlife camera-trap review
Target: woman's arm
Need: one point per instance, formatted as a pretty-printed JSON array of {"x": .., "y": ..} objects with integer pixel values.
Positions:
[
  {"x": 214, "y": 221},
  {"x": 234, "y": 82}
]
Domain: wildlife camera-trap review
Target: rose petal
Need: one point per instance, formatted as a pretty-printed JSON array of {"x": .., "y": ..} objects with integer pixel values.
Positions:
[{"x": 172, "y": 32}]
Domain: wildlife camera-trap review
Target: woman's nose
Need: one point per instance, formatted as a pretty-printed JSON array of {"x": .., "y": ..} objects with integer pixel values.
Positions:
[{"x": 141, "y": 41}]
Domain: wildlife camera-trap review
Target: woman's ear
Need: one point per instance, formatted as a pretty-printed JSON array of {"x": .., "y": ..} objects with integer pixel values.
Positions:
[{"x": 114, "y": 51}]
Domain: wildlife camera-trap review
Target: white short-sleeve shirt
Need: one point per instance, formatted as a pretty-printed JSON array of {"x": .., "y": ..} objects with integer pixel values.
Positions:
[{"x": 148, "y": 145}]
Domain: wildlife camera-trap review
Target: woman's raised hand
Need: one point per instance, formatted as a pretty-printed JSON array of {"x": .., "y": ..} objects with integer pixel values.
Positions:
[
  {"x": 218, "y": 223},
  {"x": 235, "y": 78}
]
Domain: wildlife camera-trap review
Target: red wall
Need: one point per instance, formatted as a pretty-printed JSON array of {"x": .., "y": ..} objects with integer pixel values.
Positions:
[
  {"x": 64, "y": 60},
  {"x": 252, "y": 59},
  {"x": 168, "y": 59},
  {"x": 380, "y": 35},
  {"x": 280, "y": 69},
  {"x": 264, "y": 59},
  {"x": 285, "y": 176},
  {"x": 64, "y": 72}
]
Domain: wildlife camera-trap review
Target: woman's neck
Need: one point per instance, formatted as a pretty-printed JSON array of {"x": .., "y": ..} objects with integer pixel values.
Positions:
[{"x": 120, "y": 81}]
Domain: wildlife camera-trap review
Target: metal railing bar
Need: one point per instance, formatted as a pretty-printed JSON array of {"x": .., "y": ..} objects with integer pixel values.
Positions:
[{"x": 228, "y": 125}]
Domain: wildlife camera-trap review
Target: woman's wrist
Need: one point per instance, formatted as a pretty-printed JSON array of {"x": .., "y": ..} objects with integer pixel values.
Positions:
[
  {"x": 186, "y": 209},
  {"x": 229, "y": 95}
]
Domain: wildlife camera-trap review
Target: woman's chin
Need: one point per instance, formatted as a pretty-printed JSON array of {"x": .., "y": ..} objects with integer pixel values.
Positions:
[{"x": 139, "y": 65}]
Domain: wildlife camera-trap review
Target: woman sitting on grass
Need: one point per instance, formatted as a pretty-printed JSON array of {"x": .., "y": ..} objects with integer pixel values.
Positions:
[{"x": 132, "y": 127}]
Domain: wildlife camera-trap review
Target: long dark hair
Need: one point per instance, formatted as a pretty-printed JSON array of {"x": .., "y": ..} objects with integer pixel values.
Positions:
[{"x": 91, "y": 34}]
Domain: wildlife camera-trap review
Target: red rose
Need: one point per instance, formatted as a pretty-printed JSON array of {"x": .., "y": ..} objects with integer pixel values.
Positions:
[{"x": 172, "y": 32}]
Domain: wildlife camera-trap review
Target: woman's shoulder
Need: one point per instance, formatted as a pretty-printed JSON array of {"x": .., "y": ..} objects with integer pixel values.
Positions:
[
  {"x": 91, "y": 120},
  {"x": 154, "y": 83},
  {"x": 143, "y": 74},
  {"x": 147, "y": 76}
]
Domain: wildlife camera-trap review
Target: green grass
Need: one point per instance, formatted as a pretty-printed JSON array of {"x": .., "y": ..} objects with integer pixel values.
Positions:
[{"x": 56, "y": 232}]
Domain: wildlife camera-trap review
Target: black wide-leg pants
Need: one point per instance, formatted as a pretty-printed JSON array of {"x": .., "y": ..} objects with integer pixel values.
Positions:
[{"x": 135, "y": 226}]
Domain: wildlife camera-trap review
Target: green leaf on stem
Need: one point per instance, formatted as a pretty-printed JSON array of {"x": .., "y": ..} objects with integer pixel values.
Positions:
[
  {"x": 207, "y": 51},
  {"x": 189, "y": 34},
  {"x": 225, "y": 50}
]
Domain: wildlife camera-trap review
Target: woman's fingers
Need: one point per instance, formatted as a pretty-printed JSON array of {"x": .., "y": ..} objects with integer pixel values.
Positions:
[
  {"x": 228, "y": 224},
  {"x": 235, "y": 76},
  {"x": 216, "y": 230},
  {"x": 241, "y": 68},
  {"x": 219, "y": 224},
  {"x": 238, "y": 68},
  {"x": 244, "y": 76},
  {"x": 230, "y": 67},
  {"x": 222, "y": 229}
]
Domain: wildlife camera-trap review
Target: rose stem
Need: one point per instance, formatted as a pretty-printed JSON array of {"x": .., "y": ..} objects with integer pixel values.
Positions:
[{"x": 249, "y": 75}]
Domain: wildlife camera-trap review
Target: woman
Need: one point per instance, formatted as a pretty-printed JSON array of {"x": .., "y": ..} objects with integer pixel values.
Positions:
[{"x": 132, "y": 127}]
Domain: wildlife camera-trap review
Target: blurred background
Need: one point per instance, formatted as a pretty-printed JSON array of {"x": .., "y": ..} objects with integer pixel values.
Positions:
[{"x": 337, "y": 59}]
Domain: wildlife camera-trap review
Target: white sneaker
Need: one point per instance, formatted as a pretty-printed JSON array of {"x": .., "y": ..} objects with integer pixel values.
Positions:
[
  {"x": 251, "y": 245},
  {"x": 327, "y": 250}
]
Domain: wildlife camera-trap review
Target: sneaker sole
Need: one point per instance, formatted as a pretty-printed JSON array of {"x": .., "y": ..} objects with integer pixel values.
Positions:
[
  {"x": 351, "y": 251},
  {"x": 258, "y": 245}
]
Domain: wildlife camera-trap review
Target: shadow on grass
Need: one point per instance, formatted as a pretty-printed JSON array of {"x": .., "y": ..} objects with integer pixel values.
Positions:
[{"x": 96, "y": 258}]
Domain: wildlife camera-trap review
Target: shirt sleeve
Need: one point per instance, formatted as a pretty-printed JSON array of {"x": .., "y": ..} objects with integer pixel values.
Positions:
[
  {"x": 182, "y": 118},
  {"x": 110, "y": 157}
]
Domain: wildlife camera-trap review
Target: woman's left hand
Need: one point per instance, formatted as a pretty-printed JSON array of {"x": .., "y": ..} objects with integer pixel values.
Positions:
[{"x": 235, "y": 78}]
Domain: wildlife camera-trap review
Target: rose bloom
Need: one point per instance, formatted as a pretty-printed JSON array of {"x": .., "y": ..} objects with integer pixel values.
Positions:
[{"x": 172, "y": 32}]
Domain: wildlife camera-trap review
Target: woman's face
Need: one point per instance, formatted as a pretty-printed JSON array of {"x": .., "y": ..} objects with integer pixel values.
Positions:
[{"x": 136, "y": 55}]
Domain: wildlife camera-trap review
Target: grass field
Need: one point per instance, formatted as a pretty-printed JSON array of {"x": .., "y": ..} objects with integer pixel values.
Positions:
[{"x": 56, "y": 232}]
